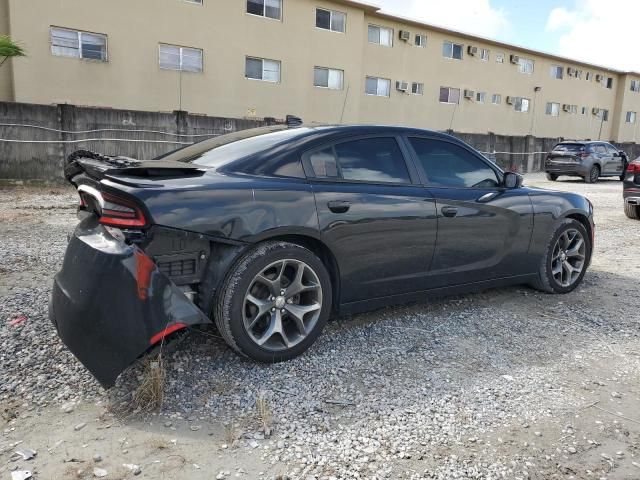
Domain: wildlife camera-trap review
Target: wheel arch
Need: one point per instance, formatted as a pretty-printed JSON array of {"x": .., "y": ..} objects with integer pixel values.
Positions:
[{"x": 584, "y": 220}]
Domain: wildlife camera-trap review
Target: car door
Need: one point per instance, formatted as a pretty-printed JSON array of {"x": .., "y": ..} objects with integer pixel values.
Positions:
[
  {"x": 373, "y": 214},
  {"x": 615, "y": 162},
  {"x": 484, "y": 229},
  {"x": 603, "y": 158}
]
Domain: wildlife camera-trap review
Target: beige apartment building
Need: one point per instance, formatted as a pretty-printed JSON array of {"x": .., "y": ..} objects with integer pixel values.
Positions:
[{"x": 323, "y": 60}]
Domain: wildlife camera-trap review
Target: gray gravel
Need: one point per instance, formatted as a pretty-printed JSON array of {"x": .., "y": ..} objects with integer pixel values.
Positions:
[{"x": 491, "y": 385}]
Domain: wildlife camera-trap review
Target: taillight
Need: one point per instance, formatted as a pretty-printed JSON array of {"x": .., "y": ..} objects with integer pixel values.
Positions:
[
  {"x": 583, "y": 155},
  {"x": 118, "y": 212},
  {"x": 634, "y": 168}
]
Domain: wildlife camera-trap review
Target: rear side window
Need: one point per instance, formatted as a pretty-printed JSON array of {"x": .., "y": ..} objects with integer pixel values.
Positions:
[
  {"x": 374, "y": 160},
  {"x": 448, "y": 165},
  {"x": 570, "y": 148},
  {"x": 601, "y": 150}
]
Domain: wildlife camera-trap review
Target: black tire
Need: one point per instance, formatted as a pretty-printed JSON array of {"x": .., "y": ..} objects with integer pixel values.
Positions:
[
  {"x": 594, "y": 175},
  {"x": 230, "y": 301},
  {"x": 546, "y": 281},
  {"x": 632, "y": 211},
  {"x": 552, "y": 177}
]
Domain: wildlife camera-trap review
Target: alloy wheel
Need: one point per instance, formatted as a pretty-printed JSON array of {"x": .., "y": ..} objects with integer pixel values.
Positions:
[
  {"x": 282, "y": 305},
  {"x": 568, "y": 259},
  {"x": 594, "y": 174}
]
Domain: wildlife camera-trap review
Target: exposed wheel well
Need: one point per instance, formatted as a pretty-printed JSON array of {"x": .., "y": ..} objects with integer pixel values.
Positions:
[{"x": 324, "y": 254}]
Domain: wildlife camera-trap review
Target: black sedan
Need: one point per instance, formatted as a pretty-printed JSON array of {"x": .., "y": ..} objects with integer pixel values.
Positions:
[
  {"x": 631, "y": 190},
  {"x": 268, "y": 232}
]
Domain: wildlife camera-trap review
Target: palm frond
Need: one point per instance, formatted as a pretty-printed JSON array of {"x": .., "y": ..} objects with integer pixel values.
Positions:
[{"x": 9, "y": 48}]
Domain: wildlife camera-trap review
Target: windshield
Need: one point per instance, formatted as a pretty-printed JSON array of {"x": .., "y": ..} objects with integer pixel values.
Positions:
[
  {"x": 570, "y": 147},
  {"x": 233, "y": 146}
]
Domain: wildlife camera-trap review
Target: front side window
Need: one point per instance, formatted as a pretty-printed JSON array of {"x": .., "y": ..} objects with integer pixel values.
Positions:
[
  {"x": 480, "y": 96},
  {"x": 265, "y": 8},
  {"x": 331, "y": 20},
  {"x": 421, "y": 40},
  {"x": 375, "y": 160},
  {"x": 522, "y": 104},
  {"x": 556, "y": 71},
  {"x": 525, "y": 65},
  {"x": 379, "y": 87},
  {"x": 185, "y": 59},
  {"x": 74, "y": 43},
  {"x": 380, "y": 35},
  {"x": 496, "y": 99},
  {"x": 417, "y": 88},
  {"x": 449, "y": 95},
  {"x": 262, "y": 69},
  {"x": 448, "y": 165},
  {"x": 631, "y": 117},
  {"x": 553, "y": 109},
  {"x": 452, "y": 50},
  {"x": 328, "y": 78}
]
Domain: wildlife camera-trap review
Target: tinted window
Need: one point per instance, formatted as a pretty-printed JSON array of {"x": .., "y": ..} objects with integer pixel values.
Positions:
[
  {"x": 368, "y": 160},
  {"x": 610, "y": 149},
  {"x": 450, "y": 165},
  {"x": 600, "y": 150},
  {"x": 569, "y": 147}
]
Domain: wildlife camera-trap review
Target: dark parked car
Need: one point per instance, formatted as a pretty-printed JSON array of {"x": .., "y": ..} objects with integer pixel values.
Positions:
[
  {"x": 631, "y": 190},
  {"x": 589, "y": 160},
  {"x": 267, "y": 232}
]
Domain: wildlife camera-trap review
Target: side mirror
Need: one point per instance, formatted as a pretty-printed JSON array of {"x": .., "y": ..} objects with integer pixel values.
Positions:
[
  {"x": 617, "y": 154},
  {"x": 512, "y": 180}
]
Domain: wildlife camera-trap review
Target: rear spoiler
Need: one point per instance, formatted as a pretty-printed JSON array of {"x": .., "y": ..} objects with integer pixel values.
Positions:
[{"x": 98, "y": 166}]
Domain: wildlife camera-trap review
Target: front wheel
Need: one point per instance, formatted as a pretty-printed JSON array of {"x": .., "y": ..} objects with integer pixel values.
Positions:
[
  {"x": 594, "y": 175},
  {"x": 632, "y": 211},
  {"x": 274, "y": 302},
  {"x": 566, "y": 258}
]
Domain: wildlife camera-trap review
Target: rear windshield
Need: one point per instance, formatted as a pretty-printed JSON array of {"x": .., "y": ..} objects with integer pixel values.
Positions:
[
  {"x": 570, "y": 147},
  {"x": 233, "y": 146}
]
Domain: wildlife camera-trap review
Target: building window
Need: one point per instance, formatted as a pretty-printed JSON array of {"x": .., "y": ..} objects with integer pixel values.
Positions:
[
  {"x": 449, "y": 95},
  {"x": 265, "y": 8},
  {"x": 331, "y": 20},
  {"x": 480, "y": 96},
  {"x": 572, "y": 109},
  {"x": 380, "y": 35},
  {"x": 522, "y": 104},
  {"x": 173, "y": 57},
  {"x": 74, "y": 43},
  {"x": 484, "y": 54},
  {"x": 452, "y": 50},
  {"x": 525, "y": 65},
  {"x": 588, "y": 76},
  {"x": 199, "y": 2},
  {"x": 379, "y": 87},
  {"x": 496, "y": 99},
  {"x": 553, "y": 109},
  {"x": 328, "y": 78},
  {"x": 609, "y": 82},
  {"x": 557, "y": 72},
  {"x": 583, "y": 111},
  {"x": 604, "y": 114},
  {"x": 421, "y": 40},
  {"x": 631, "y": 117},
  {"x": 262, "y": 69},
  {"x": 635, "y": 85},
  {"x": 417, "y": 88},
  {"x": 500, "y": 57}
]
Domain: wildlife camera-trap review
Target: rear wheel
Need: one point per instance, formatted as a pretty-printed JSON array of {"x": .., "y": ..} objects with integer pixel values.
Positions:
[
  {"x": 566, "y": 258},
  {"x": 552, "y": 177},
  {"x": 594, "y": 174},
  {"x": 632, "y": 211},
  {"x": 274, "y": 302}
]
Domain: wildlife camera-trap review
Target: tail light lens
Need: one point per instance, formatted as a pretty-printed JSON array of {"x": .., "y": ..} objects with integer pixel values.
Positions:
[
  {"x": 634, "y": 168},
  {"x": 583, "y": 155},
  {"x": 111, "y": 209}
]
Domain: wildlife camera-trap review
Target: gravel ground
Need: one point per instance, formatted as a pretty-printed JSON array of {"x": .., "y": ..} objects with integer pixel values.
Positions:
[{"x": 508, "y": 383}]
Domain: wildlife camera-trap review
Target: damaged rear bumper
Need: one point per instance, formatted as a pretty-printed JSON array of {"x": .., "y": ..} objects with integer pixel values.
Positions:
[{"x": 111, "y": 304}]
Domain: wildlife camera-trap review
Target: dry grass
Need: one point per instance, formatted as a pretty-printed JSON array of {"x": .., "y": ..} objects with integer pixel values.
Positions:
[
  {"x": 149, "y": 395},
  {"x": 232, "y": 433},
  {"x": 159, "y": 443},
  {"x": 263, "y": 411}
]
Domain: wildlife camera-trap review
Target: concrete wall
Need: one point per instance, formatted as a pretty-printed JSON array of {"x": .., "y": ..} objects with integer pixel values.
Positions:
[
  {"x": 132, "y": 79},
  {"x": 130, "y": 133},
  {"x": 145, "y": 135}
]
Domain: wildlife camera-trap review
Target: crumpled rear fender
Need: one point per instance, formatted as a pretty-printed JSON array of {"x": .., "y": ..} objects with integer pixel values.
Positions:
[{"x": 111, "y": 304}]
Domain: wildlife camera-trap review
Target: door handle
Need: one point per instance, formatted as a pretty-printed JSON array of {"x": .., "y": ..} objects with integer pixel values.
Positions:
[
  {"x": 449, "y": 211},
  {"x": 339, "y": 206}
]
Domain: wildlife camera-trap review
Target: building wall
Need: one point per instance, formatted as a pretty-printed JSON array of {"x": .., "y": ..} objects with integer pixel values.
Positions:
[
  {"x": 628, "y": 101},
  {"x": 6, "y": 72},
  {"x": 132, "y": 79}
]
